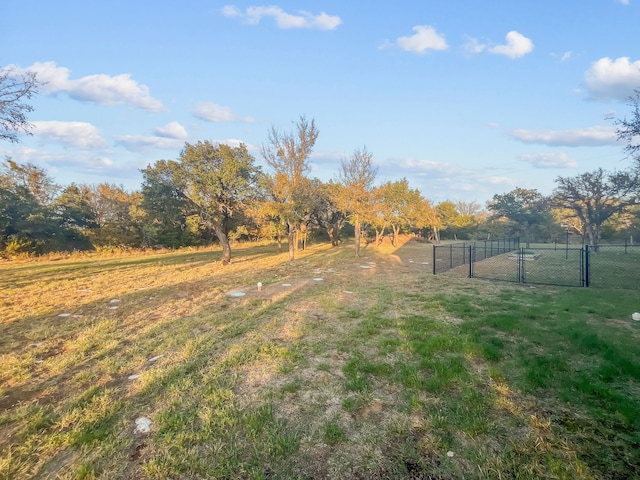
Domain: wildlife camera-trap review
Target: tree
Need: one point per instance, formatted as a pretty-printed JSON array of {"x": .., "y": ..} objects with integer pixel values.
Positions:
[
  {"x": 287, "y": 153},
  {"x": 115, "y": 213},
  {"x": 404, "y": 206},
  {"x": 215, "y": 180},
  {"x": 15, "y": 90},
  {"x": 33, "y": 178},
  {"x": 527, "y": 211},
  {"x": 629, "y": 130},
  {"x": 355, "y": 194},
  {"x": 166, "y": 209},
  {"x": 330, "y": 216},
  {"x": 595, "y": 196}
]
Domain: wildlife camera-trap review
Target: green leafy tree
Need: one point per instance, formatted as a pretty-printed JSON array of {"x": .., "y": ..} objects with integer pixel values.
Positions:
[
  {"x": 167, "y": 210},
  {"x": 526, "y": 212},
  {"x": 215, "y": 181}
]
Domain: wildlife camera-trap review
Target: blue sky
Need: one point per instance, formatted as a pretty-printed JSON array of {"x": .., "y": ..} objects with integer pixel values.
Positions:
[{"x": 464, "y": 98}]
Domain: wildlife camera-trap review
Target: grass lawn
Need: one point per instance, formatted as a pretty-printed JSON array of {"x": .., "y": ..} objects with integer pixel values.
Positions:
[{"x": 337, "y": 367}]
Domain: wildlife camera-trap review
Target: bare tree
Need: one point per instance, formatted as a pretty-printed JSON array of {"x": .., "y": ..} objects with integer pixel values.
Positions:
[
  {"x": 287, "y": 153},
  {"x": 629, "y": 129},
  {"x": 15, "y": 90},
  {"x": 593, "y": 197}
]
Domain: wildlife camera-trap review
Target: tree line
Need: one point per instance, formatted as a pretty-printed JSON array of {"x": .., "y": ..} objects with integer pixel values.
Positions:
[{"x": 217, "y": 193}]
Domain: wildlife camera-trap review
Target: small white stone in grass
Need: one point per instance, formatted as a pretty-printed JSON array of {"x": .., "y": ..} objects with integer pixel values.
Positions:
[
  {"x": 115, "y": 300},
  {"x": 39, "y": 344},
  {"x": 237, "y": 294},
  {"x": 318, "y": 279},
  {"x": 39, "y": 361},
  {"x": 347, "y": 291},
  {"x": 157, "y": 357},
  {"x": 133, "y": 377},
  {"x": 143, "y": 425},
  {"x": 636, "y": 316},
  {"x": 286, "y": 284},
  {"x": 365, "y": 266},
  {"x": 64, "y": 315},
  {"x": 115, "y": 307},
  {"x": 450, "y": 454}
]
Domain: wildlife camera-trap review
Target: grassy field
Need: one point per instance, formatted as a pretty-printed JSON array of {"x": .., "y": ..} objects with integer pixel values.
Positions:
[{"x": 337, "y": 367}]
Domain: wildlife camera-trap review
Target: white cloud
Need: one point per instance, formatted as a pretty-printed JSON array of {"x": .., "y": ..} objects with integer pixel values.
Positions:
[
  {"x": 425, "y": 38},
  {"x": 77, "y": 134},
  {"x": 625, "y": 2},
  {"x": 565, "y": 56},
  {"x": 499, "y": 181},
  {"x": 473, "y": 46},
  {"x": 577, "y": 137},
  {"x": 549, "y": 160},
  {"x": 212, "y": 112},
  {"x": 517, "y": 46},
  {"x": 172, "y": 130},
  {"x": 101, "y": 89},
  {"x": 137, "y": 143},
  {"x": 303, "y": 19},
  {"x": 609, "y": 79}
]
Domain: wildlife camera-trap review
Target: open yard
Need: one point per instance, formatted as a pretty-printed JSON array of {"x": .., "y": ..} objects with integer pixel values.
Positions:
[{"x": 156, "y": 366}]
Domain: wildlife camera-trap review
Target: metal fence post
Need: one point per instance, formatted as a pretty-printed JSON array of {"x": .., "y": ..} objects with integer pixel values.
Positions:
[
  {"x": 586, "y": 266},
  {"x": 470, "y": 261},
  {"x": 434, "y": 259}
]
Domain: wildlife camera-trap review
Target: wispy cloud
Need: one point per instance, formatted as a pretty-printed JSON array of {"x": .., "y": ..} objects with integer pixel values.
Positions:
[
  {"x": 424, "y": 39},
  {"x": 172, "y": 130},
  {"x": 549, "y": 160},
  {"x": 212, "y": 112},
  {"x": 302, "y": 19},
  {"x": 77, "y": 134},
  {"x": 609, "y": 79},
  {"x": 577, "y": 137},
  {"x": 137, "y": 143},
  {"x": 100, "y": 88},
  {"x": 516, "y": 46}
]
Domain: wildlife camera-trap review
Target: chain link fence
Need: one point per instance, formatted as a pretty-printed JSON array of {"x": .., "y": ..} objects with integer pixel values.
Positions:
[
  {"x": 452, "y": 255},
  {"x": 605, "y": 266}
]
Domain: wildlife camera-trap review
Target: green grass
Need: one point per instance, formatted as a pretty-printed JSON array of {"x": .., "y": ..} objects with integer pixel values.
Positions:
[{"x": 386, "y": 373}]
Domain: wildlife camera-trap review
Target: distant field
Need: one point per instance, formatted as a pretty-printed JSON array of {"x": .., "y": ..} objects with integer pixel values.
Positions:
[{"x": 336, "y": 367}]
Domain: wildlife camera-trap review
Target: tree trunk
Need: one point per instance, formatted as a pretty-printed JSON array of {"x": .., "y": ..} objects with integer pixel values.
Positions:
[
  {"x": 218, "y": 227},
  {"x": 396, "y": 232},
  {"x": 291, "y": 238},
  {"x": 357, "y": 239},
  {"x": 279, "y": 238},
  {"x": 379, "y": 237}
]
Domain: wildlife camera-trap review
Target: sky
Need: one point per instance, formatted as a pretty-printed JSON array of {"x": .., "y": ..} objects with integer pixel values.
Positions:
[{"x": 463, "y": 98}]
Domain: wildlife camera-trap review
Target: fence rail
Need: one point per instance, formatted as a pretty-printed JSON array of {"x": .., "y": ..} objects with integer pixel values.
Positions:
[{"x": 605, "y": 266}]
